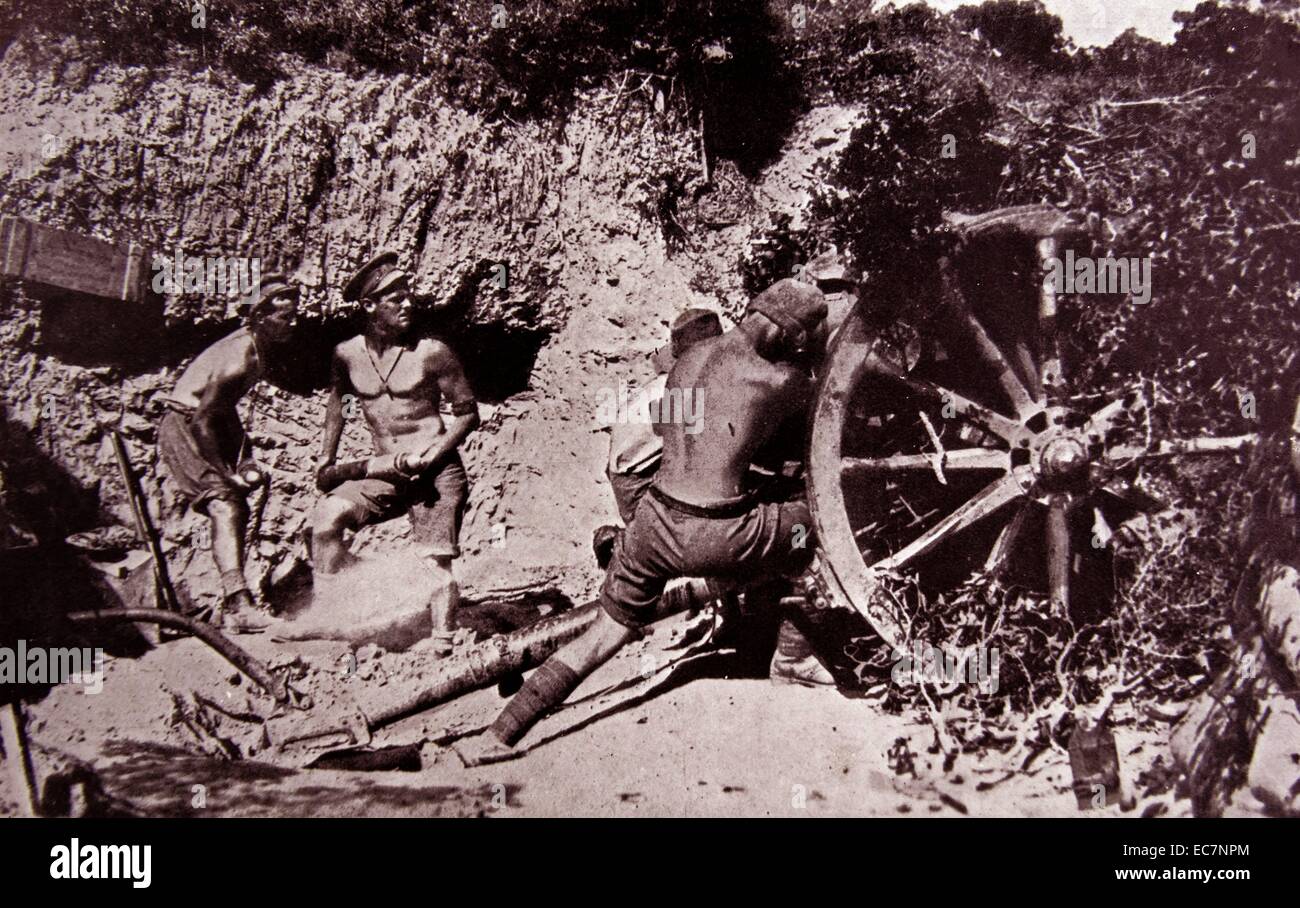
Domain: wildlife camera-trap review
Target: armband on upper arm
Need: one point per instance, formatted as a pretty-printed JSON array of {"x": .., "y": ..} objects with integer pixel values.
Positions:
[{"x": 464, "y": 407}]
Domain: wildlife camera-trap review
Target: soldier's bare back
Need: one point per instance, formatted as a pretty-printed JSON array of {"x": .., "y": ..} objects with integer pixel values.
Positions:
[
  {"x": 231, "y": 364},
  {"x": 742, "y": 397}
]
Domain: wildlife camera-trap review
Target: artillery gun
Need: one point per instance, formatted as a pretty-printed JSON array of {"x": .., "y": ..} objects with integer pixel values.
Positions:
[{"x": 968, "y": 449}]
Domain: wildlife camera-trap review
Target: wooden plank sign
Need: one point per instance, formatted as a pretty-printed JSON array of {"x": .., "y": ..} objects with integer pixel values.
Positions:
[{"x": 71, "y": 261}]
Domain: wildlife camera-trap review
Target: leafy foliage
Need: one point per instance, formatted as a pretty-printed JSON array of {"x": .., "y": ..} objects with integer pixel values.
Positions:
[
  {"x": 919, "y": 152},
  {"x": 1023, "y": 32}
]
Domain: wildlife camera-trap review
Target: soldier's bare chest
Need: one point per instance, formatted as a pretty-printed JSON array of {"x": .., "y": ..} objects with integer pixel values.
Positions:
[{"x": 398, "y": 372}]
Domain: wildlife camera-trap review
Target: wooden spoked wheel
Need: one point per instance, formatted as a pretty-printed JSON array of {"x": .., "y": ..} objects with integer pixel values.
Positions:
[{"x": 964, "y": 462}]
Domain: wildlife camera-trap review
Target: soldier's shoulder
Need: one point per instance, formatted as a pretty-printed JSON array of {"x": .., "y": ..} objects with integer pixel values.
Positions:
[
  {"x": 350, "y": 347},
  {"x": 788, "y": 377},
  {"x": 235, "y": 348},
  {"x": 435, "y": 349},
  {"x": 239, "y": 338},
  {"x": 434, "y": 342},
  {"x": 229, "y": 359}
]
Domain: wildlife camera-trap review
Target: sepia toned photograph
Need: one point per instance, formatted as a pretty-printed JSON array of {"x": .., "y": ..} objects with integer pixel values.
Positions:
[{"x": 679, "y": 409}]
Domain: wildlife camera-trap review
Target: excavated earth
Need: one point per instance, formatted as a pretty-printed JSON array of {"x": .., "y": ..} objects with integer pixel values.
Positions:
[
  {"x": 312, "y": 177},
  {"x": 703, "y": 743}
]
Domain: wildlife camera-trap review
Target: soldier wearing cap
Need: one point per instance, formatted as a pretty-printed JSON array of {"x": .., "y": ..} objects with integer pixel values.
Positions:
[
  {"x": 201, "y": 439},
  {"x": 635, "y": 449},
  {"x": 838, "y": 281},
  {"x": 400, "y": 381}
]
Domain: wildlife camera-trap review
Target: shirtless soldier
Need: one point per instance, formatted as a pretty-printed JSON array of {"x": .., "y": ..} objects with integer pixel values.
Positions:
[
  {"x": 399, "y": 381},
  {"x": 202, "y": 441},
  {"x": 634, "y": 446},
  {"x": 698, "y": 518}
]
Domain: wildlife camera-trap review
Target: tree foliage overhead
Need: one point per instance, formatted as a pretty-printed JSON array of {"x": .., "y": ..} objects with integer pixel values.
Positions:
[{"x": 1021, "y": 31}]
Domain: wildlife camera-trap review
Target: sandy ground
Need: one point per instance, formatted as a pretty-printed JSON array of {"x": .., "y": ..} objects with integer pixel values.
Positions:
[{"x": 704, "y": 744}]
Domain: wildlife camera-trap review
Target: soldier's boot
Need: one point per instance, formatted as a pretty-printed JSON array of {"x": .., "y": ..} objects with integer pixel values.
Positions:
[
  {"x": 795, "y": 662},
  {"x": 238, "y": 614}
]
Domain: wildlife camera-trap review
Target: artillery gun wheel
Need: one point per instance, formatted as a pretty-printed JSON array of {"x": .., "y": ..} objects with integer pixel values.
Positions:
[{"x": 966, "y": 456}]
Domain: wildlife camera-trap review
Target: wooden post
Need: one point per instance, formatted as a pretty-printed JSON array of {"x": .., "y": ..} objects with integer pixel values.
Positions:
[
  {"x": 164, "y": 593},
  {"x": 18, "y": 759}
]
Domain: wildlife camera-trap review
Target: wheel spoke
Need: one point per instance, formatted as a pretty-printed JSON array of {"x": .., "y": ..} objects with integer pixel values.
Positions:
[
  {"x": 1026, "y": 368},
  {"x": 989, "y": 353},
  {"x": 1058, "y": 553},
  {"x": 950, "y": 461},
  {"x": 1229, "y": 445},
  {"x": 980, "y": 415},
  {"x": 1007, "y": 540},
  {"x": 992, "y": 497},
  {"x": 1103, "y": 420},
  {"x": 1050, "y": 350}
]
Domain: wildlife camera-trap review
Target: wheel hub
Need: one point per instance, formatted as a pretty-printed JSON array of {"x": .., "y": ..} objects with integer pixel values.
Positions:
[{"x": 1063, "y": 457}]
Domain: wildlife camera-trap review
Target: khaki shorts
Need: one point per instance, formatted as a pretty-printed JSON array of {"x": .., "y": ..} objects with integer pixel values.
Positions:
[
  {"x": 628, "y": 489},
  {"x": 200, "y": 479},
  {"x": 742, "y": 542},
  {"x": 433, "y": 502}
]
